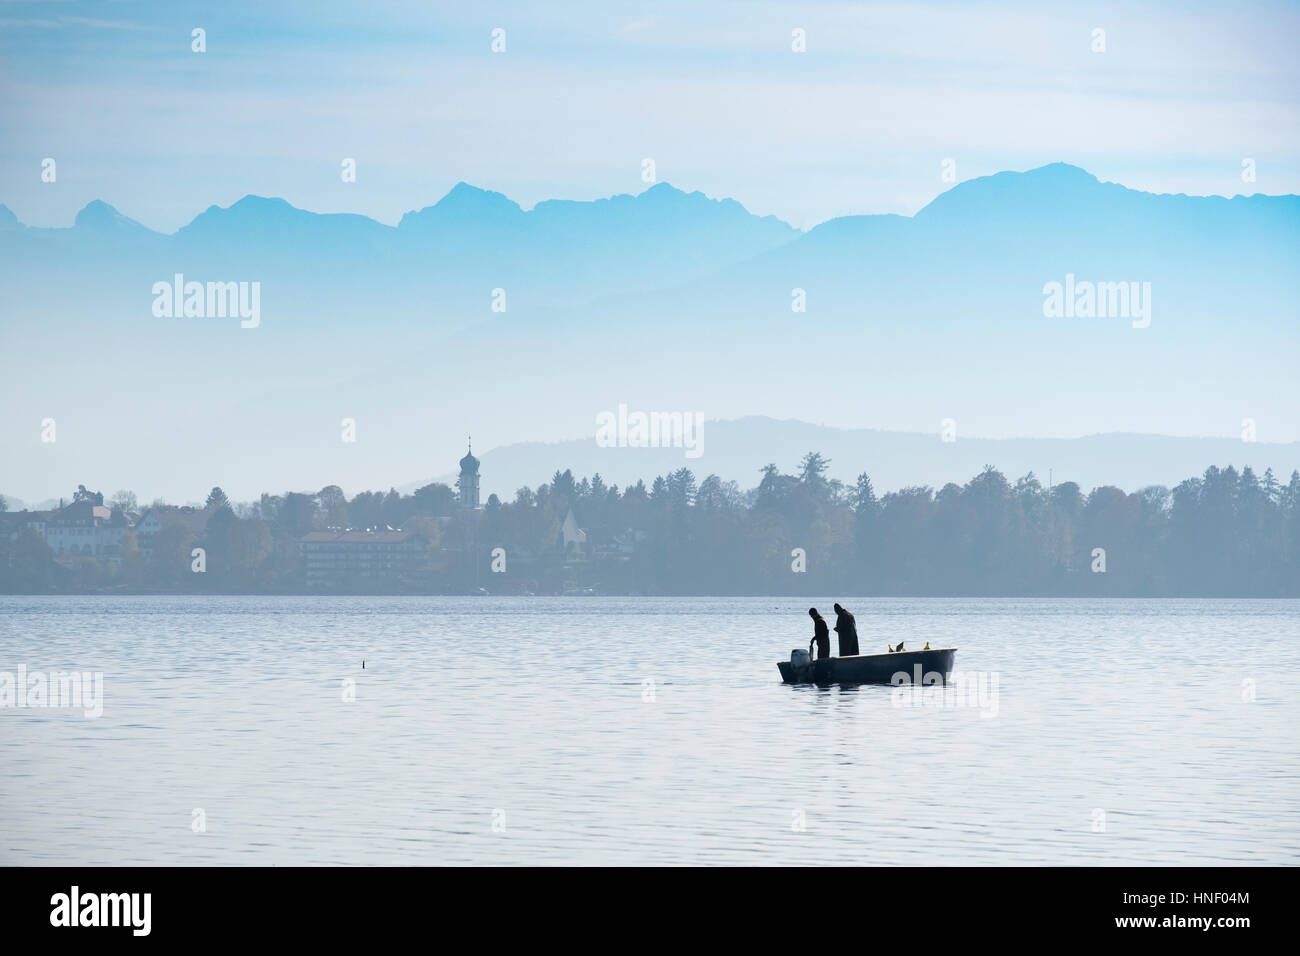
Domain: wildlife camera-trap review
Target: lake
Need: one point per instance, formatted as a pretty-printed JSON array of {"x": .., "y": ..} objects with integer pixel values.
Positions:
[{"x": 243, "y": 730}]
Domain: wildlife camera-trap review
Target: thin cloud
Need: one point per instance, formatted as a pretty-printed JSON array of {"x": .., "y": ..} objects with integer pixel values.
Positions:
[
  {"x": 639, "y": 25},
  {"x": 108, "y": 24},
  {"x": 65, "y": 21}
]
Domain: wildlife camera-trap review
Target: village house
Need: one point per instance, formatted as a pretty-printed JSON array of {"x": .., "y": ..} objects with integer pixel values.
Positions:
[
  {"x": 154, "y": 519},
  {"x": 334, "y": 558},
  {"x": 85, "y": 529}
]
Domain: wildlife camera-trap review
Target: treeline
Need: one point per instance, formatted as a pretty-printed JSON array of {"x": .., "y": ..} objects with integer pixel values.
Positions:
[{"x": 1226, "y": 533}]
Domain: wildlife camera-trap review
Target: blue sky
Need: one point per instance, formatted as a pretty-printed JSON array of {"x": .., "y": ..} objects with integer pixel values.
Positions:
[{"x": 585, "y": 91}]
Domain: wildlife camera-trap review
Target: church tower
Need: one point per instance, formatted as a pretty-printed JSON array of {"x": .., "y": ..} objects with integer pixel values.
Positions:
[{"x": 467, "y": 484}]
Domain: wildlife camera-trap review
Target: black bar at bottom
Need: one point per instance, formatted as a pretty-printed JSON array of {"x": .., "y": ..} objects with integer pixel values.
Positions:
[{"x": 335, "y": 905}]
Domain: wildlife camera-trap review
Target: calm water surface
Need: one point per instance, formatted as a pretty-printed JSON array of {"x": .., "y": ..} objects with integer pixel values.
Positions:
[{"x": 640, "y": 730}]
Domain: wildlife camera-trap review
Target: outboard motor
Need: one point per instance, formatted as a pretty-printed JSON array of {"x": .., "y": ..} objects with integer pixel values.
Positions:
[{"x": 799, "y": 658}]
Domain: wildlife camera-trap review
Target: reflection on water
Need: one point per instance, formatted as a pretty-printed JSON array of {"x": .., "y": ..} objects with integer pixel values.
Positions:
[{"x": 607, "y": 730}]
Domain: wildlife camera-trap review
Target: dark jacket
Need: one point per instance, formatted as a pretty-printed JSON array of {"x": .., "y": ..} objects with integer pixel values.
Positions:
[
  {"x": 821, "y": 637},
  {"x": 847, "y": 628}
]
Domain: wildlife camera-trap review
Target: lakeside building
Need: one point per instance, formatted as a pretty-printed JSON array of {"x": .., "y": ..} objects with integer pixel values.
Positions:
[
  {"x": 82, "y": 529},
  {"x": 467, "y": 483},
  {"x": 14, "y": 523},
  {"x": 195, "y": 520},
  {"x": 572, "y": 537},
  {"x": 331, "y": 558},
  {"x": 335, "y": 557}
]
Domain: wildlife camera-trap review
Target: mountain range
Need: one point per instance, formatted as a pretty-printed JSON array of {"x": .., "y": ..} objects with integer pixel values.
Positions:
[
  {"x": 475, "y": 316},
  {"x": 737, "y": 450}
]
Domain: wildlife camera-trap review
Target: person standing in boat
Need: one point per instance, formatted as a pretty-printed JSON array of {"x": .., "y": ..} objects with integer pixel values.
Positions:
[
  {"x": 847, "y": 629},
  {"x": 821, "y": 635}
]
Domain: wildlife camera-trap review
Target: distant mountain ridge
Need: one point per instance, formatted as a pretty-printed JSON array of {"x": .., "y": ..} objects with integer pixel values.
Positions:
[
  {"x": 557, "y": 250},
  {"x": 736, "y": 451},
  {"x": 660, "y": 208},
  {"x": 1059, "y": 188},
  {"x": 1009, "y": 223},
  {"x": 473, "y": 315},
  {"x": 463, "y": 202}
]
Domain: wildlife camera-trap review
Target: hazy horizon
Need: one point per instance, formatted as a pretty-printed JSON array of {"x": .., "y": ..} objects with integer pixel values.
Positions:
[
  {"x": 932, "y": 170},
  {"x": 433, "y": 201},
  {"x": 582, "y": 94},
  {"x": 533, "y": 462}
]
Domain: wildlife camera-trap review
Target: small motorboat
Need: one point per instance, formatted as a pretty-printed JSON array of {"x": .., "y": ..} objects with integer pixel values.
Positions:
[{"x": 898, "y": 667}]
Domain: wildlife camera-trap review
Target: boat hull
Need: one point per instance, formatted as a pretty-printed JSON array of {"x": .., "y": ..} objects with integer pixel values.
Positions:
[{"x": 903, "y": 667}]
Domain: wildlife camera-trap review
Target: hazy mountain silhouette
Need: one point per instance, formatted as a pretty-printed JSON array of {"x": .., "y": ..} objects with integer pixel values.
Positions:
[
  {"x": 1002, "y": 228},
  {"x": 667, "y": 300},
  {"x": 1013, "y": 232},
  {"x": 658, "y": 238},
  {"x": 273, "y": 222},
  {"x": 737, "y": 450}
]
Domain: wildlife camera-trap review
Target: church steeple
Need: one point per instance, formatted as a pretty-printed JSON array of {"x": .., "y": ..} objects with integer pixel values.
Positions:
[{"x": 467, "y": 484}]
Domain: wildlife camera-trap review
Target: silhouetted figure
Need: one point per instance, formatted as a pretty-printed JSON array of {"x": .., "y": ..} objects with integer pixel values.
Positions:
[
  {"x": 847, "y": 629},
  {"x": 821, "y": 635}
]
